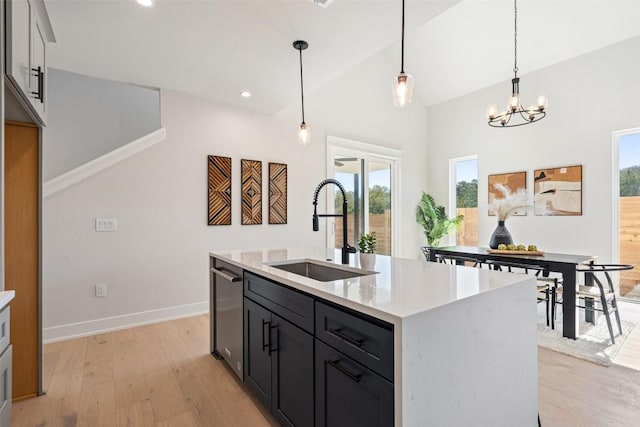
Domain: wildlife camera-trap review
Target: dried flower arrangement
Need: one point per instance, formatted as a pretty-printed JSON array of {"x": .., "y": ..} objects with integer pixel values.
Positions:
[{"x": 511, "y": 203}]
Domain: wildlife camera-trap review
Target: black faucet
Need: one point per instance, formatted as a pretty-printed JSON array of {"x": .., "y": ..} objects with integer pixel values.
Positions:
[{"x": 346, "y": 249}]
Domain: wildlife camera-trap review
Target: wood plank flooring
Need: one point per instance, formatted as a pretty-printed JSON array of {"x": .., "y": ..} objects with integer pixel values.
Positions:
[{"x": 163, "y": 375}]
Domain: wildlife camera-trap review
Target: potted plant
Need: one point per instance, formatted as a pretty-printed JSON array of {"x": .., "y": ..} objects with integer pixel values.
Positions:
[
  {"x": 367, "y": 245},
  {"x": 434, "y": 220}
]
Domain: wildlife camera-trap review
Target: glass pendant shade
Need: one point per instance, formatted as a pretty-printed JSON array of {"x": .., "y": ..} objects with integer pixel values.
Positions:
[
  {"x": 543, "y": 102},
  {"x": 402, "y": 89},
  {"x": 492, "y": 111},
  {"x": 304, "y": 134}
]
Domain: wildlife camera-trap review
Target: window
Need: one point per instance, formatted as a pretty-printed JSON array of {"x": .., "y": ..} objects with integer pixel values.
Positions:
[
  {"x": 627, "y": 204},
  {"x": 368, "y": 174},
  {"x": 463, "y": 198}
]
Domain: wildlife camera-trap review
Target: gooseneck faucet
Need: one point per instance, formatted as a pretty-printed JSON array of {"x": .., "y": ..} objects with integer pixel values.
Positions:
[{"x": 346, "y": 249}]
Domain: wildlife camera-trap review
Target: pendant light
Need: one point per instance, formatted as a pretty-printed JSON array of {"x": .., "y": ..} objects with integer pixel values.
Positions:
[
  {"x": 403, "y": 83},
  {"x": 304, "y": 130},
  {"x": 521, "y": 116}
]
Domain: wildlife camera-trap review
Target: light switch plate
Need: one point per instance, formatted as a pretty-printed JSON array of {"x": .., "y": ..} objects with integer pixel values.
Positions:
[{"x": 106, "y": 224}]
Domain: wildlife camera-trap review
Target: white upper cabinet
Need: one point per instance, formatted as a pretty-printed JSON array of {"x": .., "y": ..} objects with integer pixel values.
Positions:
[{"x": 28, "y": 32}]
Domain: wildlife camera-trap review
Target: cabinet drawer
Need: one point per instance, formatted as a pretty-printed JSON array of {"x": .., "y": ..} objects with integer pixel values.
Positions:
[
  {"x": 287, "y": 303},
  {"x": 361, "y": 339},
  {"x": 5, "y": 330},
  {"x": 348, "y": 394}
]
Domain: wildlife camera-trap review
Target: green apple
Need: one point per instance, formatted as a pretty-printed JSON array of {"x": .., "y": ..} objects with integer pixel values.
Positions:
[
  {"x": 532, "y": 248},
  {"x": 521, "y": 248},
  {"x": 511, "y": 247},
  {"x": 502, "y": 246}
]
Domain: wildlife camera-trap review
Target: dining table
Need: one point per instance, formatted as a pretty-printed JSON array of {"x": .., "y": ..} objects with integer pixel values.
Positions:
[{"x": 564, "y": 264}]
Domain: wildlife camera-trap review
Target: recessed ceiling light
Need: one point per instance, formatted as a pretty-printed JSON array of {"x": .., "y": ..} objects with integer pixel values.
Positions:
[
  {"x": 146, "y": 3},
  {"x": 245, "y": 94}
]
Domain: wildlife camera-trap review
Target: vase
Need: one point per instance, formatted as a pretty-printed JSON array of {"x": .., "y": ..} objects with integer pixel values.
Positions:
[
  {"x": 367, "y": 261},
  {"x": 500, "y": 236}
]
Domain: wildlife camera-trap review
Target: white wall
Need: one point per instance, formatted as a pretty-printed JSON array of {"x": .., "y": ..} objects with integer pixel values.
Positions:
[
  {"x": 156, "y": 264},
  {"x": 590, "y": 97},
  {"x": 89, "y": 117}
]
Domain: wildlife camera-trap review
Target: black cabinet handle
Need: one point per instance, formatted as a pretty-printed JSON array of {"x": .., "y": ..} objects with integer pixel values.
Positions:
[
  {"x": 355, "y": 341},
  {"x": 39, "y": 74},
  {"x": 271, "y": 350},
  {"x": 264, "y": 344},
  {"x": 335, "y": 364}
]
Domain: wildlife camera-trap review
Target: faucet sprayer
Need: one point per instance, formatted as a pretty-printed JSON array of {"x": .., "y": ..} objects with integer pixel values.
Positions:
[{"x": 346, "y": 249}]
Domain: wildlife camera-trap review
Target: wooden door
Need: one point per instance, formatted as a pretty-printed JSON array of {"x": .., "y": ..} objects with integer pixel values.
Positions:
[{"x": 22, "y": 254}]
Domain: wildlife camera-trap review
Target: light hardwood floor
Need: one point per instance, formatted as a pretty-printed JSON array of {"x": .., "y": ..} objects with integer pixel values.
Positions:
[{"x": 163, "y": 375}]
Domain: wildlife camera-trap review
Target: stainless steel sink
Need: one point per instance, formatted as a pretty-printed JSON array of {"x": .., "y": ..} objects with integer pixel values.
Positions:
[{"x": 320, "y": 272}]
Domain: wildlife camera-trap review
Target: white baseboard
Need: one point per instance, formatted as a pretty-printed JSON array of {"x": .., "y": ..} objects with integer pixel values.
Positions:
[
  {"x": 96, "y": 165},
  {"x": 98, "y": 326}
]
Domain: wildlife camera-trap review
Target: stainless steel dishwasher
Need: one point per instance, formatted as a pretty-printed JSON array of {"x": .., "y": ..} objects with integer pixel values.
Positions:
[{"x": 226, "y": 317}]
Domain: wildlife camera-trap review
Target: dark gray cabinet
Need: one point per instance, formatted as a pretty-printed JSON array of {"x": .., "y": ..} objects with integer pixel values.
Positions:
[
  {"x": 348, "y": 394},
  {"x": 315, "y": 363},
  {"x": 279, "y": 365}
]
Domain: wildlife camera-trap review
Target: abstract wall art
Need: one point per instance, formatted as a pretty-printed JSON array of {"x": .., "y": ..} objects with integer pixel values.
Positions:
[
  {"x": 514, "y": 181},
  {"x": 277, "y": 193},
  {"x": 219, "y": 190},
  {"x": 251, "y": 171},
  {"x": 558, "y": 191}
]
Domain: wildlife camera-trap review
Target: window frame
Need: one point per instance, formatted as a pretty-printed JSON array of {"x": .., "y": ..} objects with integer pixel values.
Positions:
[
  {"x": 342, "y": 147},
  {"x": 453, "y": 237}
]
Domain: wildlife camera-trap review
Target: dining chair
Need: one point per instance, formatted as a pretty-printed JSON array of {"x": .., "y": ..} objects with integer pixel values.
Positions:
[
  {"x": 544, "y": 283},
  {"x": 597, "y": 288},
  {"x": 460, "y": 260}
]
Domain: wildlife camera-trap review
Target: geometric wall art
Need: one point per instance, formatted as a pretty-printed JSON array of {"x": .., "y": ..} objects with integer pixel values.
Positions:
[
  {"x": 277, "y": 193},
  {"x": 513, "y": 181},
  {"x": 558, "y": 191},
  {"x": 251, "y": 171},
  {"x": 219, "y": 170}
]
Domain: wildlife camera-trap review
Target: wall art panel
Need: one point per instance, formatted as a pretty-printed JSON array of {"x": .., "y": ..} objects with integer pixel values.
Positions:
[
  {"x": 219, "y": 190},
  {"x": 558, "y": 191},
  {"x": 277, "y": 193},
  {"x": 513, "y": 181},
  {"x": 251, "y": 171}
]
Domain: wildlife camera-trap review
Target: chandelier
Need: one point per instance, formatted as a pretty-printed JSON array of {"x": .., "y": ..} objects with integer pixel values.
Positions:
[{"x": 516, "y": 114}]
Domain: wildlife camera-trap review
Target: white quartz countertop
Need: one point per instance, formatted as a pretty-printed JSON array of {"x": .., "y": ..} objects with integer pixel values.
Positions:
[
  {"x": 5, "y": 297},
  {"x": 400, "y": 288}
]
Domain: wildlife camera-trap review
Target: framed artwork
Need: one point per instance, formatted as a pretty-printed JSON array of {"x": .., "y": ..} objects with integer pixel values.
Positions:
[
  {"x": 219, "y": 171},
  {"x": 277, "y": 193},
  {"x": 514, "y": 181},
  {"x": 558, "y": 191},
  {"x": 251, "y": 171}
]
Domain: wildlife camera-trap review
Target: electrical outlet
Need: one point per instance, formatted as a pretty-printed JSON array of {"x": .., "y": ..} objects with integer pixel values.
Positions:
[
  {"x": 101, "y": 290},
  {"x": 106, "y": 224}
]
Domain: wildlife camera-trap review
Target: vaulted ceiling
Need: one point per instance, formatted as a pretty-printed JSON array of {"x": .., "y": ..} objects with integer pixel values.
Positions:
[{"x": 215, "y": 49}]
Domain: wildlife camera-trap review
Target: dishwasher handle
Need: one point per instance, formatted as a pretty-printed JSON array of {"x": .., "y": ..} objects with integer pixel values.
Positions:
[{"x": 225, "y": 275}]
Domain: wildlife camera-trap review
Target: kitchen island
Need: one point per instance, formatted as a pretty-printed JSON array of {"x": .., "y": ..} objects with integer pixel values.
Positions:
[{"x": 437, "y": 344}]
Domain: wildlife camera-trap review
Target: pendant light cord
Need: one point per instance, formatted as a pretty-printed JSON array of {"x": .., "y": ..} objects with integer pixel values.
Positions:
[
  {"x": 301, "y": 86},
  {"x": 402, "y": 42},
  {"x": 515, "y": 38}
]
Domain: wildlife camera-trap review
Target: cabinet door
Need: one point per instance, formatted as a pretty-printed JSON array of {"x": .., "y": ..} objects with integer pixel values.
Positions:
[
  {"x": 18, "y": 54},
  {"x": 292, "y": 363},
  {"x": 5, "y": 387},
  {"x": 257, "y": 360},
  {"x": 38, "y": 68},
  {"x": 348, "y": 394}
]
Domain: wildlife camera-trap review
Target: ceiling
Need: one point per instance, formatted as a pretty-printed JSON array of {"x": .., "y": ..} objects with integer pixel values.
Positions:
[{"x": 216, "y": 49}]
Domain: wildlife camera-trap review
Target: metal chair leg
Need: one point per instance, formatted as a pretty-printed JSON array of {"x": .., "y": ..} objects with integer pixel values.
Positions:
[
  {"x": 614, "y": 304},
  {"x": 607, "y": 315}
]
